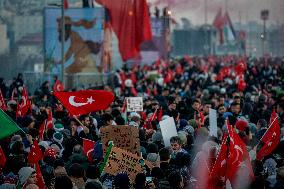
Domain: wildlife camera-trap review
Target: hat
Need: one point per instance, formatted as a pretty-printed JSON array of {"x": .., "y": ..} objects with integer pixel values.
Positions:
[
  {"x": 58, "y": 127},
  {"x": 241, "y": 125},
  {"x": 182, "y": 123},
  {"x": 182, "y": 136},
  {"x": 58, "y": 137},
  {"x": 43, "y": 144},
  {"x": 24, "y": 173},
  {"x": 135, "y": 114},
  {"x": 189, "y": 129},
  {"x": 27, "y": 121},
  {"x": 153, "y": 158},
  {"x": 121, "y": 180},
  {"x": 50, "y": 153},
  {"x": 133, "y": 123},
  {"x": 157, "y": 137}
]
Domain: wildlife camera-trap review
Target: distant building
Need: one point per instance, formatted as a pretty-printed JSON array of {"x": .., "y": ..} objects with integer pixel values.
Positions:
[
  {"x": 23, "y": 25},
  {"x": 276, "y": 41},
  {"x": 30, "y": 50},
  {"x": 194, "y": 41},
  {"x": 4, "y": 41}
]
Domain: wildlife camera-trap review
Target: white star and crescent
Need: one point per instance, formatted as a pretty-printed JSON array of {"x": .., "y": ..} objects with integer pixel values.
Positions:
[{"x": 90, "y": 100}]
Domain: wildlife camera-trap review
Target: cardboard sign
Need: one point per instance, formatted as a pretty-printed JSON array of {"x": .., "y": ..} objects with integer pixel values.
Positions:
[
  {"x": 134, "y": 104},
  {"x": 168, "y": 129},
  {"x": 124, "y": 137},
  {"x": 213, "y": 122},
  {"x": 120, "y": 160}
]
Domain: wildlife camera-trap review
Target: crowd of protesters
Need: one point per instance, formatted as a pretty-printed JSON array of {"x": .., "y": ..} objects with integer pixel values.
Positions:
[{"x": 244, "y": 91}]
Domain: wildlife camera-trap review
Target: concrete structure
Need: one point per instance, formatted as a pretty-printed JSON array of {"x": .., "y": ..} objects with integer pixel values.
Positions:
[{"x": 4, "y": 41}]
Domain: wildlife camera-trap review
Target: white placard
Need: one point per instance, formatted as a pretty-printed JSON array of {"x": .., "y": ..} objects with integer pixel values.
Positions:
[
  {"x": 168, "y": 129},
  {"x": 134, "y": 104},
  {"x": 213, "y": 122}
]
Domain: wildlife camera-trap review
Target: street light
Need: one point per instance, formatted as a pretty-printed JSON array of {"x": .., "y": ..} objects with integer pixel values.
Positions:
[
  {"x": 62, "y": 36},
  {"x": 264, "y": 14}
]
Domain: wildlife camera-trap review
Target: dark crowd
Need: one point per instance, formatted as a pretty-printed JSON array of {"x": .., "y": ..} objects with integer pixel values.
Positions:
[{"x": 243, "y": 90}]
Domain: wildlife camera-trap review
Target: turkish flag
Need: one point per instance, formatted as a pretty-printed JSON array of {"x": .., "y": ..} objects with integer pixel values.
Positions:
[
  {"x": 238, "y": 155},
  {"x": 219, "y": 168},
  {"x": 88, "y": 148},
  {"x": 41, "y": 130},
  {"x": 25, "y": 105},
  {"x": 271, "y": 138},
  {"x": 131, "y": 24},
  {"x": 83, "y": 102},
  {"x": 58, "y": 86},
  {"x": 3, "y": 105},
  {"x": 49, "y": 123},
  {"x": 2, "y": 158},
  {"x": 35, "y": 153},
  {"x": 40, "y": 181}
]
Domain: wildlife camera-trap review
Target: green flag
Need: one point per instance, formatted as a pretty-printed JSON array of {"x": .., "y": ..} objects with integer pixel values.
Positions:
[{"x": 7, "y": 125}]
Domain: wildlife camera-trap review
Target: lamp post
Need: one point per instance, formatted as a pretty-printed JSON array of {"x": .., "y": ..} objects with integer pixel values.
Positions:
[{"x": 264, "y": 14}]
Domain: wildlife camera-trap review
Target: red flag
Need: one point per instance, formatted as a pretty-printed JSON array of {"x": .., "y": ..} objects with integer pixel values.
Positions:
[
  {"x": 18, "y": 111},
  {"x": 40, "y": 181},
  {"x": 88, "y": 148},
  {"x": 3, "y": 105},
  {"x": 219, "y": 169},
  {"x": 134, "y": 91},
  {"x": 25, "y": 105},
  {"x": 271, "y": 138},
  {"x": 238, "y": 155},
  {"x": 49, "y": 123},
  {"x": 154, "y": 116},
  {"x": 83, "y": 102},
  {"x": 131, "y": 23},
  {"x": 218, "y": 23},
  {"x": 2, "y": 158},
  {"x": 35, "y": 153},
  {"x": 160, "y": 114},
  {"x": 66, "y": 5},
  {"x": 41, "y": 130},
  {"x": 58, "y": 86}
]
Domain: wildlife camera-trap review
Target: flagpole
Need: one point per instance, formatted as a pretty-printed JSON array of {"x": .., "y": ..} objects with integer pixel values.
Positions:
[{"x": 62, "y": 40}]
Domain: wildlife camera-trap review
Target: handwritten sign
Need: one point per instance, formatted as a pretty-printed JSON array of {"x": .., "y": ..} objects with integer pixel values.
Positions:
[
  {"x": 124, "y": 137},
  {"x": 134, "y": 104},
  {"x": 123, "y": 161}
]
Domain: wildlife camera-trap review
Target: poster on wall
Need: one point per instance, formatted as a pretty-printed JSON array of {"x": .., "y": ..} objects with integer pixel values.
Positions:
[{"x": 83, "y": 42}]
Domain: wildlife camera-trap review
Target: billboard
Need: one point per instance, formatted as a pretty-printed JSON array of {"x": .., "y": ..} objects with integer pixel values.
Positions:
[{"x": 83, "y": 42}]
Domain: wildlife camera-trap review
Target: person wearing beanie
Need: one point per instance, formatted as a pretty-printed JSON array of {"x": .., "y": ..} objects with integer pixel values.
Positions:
[
  {"x": 57, "y": 143},
  {"x": 58, "y": 127},
  {"x": 154, "y": 159},
  {"x": 121, "y": 181},
  {"x": 27, "y": 176},
  {"x": 241, "y": 125}
]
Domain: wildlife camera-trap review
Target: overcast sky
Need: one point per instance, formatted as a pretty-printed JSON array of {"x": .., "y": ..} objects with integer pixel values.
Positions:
[{"x": 248, "y": 9}]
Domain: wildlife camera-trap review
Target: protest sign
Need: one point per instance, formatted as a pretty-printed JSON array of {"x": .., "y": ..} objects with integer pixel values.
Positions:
[
  {"x": 120, "y": 160},
  {"x": 212, "y": 122},
  {"x": 134, "y": 104},
  {"x": 124, "y": 137},
  {"x": 168, "y": 129}
]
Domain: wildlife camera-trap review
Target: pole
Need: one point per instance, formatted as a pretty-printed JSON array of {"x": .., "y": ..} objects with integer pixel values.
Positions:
[
  {"x": 62, "y": 41},
  {"x": 263, "y": 39}
]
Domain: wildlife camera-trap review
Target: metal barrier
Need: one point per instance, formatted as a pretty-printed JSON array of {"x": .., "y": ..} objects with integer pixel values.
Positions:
[{"x": 33, "y": 80}]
